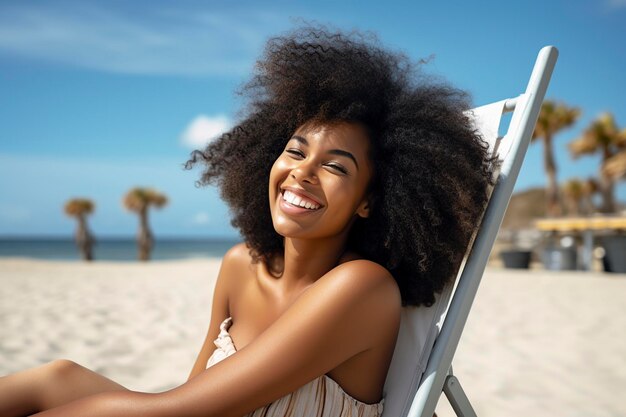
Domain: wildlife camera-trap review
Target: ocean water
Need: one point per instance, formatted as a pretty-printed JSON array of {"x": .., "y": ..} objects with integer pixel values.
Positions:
[{"x": 114, "y": 249}]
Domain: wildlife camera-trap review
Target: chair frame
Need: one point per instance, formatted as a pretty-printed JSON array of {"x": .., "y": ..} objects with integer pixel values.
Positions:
[{"x": 438, "y": 375}]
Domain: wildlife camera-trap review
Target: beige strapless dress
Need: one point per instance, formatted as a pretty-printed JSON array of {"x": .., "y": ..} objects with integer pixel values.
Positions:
[{"x": 322, "y": 397}]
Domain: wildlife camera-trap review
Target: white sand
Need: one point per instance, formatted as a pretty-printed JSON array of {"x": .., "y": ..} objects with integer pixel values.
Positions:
[
  {"x": 545, "y": 344},
  {"x": 536, "y": 343},
  {"x": 141, "y": 325}
]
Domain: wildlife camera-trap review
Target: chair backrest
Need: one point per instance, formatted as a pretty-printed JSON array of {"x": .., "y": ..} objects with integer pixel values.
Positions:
[{"x": 420, "y": 365}]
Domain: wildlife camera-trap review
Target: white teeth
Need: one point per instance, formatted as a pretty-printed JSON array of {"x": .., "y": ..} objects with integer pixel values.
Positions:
[{"x": 296, "y": 200}]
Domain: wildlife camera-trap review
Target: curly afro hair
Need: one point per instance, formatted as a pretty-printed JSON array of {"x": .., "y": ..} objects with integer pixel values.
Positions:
[{"x": 432, "y": 169}]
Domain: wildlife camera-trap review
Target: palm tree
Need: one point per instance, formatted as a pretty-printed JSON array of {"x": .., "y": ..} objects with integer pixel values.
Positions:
[
  {"x": 139, "y": 200},
  {"x": 590, "y": 188},
  {"x": 553, "y": 117},
  {"x": 615, "y": 166},
  {"x": 80, "y": 208},
  {"x": 603, "y": 136},
  {"x": 578, "y": 195},
  {"x": 573, "y": 191}
]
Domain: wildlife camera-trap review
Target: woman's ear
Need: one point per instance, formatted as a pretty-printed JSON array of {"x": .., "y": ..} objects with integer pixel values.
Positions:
[{"x": 364, "y": 209}]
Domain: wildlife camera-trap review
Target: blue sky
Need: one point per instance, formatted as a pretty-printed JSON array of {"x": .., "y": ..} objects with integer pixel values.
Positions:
[{"x": 98, "y": 97}]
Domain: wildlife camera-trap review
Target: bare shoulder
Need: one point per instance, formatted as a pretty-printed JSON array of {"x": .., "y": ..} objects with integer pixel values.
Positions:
[
  {"x": 362, "y": 282},
  {"x": 238, "y": 255},
  {"x": 236, "y": 262},
  {"x": 235, "y": 269},
  {"x": 364, "y": 275}
]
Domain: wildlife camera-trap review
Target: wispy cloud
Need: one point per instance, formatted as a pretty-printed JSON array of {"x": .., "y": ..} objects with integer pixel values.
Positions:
[
  {"x": 202, "y": 129},
  {"x": 616, "y": 4},
  {"x": 201, "y": 218},
  {"x": 157, "y": 41}
]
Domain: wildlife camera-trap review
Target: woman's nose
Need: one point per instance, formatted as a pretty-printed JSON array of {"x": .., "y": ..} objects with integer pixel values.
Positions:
[{"x": 305, "y": 172}]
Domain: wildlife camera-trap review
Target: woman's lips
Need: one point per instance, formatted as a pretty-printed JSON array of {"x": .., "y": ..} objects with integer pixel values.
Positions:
[
  {"x": 290, "y": 194},
  {"x": 290, "y": 208},
  {"x": 299, "y": 198}
]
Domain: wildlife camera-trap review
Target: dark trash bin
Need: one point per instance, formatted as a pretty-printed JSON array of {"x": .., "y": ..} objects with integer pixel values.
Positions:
[
  {"x": 516, "y": 259},
  {"x": 615, "y": 253}
]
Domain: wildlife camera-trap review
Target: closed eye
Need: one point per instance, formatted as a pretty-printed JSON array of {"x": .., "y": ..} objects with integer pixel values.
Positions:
[
  {"x": 295, "y": 152},
  {"x": 338, "y": 168}
]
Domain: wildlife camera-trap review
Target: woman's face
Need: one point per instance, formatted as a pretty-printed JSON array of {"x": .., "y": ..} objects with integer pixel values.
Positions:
[{"x": 318, "y": 184}]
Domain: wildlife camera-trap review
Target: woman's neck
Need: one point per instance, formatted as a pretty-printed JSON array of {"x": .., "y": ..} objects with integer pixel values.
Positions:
[{"x": 305, "y": 261}]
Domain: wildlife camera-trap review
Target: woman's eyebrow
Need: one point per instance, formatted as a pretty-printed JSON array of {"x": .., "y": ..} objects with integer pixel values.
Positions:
[{"x": 339, "y": 152}]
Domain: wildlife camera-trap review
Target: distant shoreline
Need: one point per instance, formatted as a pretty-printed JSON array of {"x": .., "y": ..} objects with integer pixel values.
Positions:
[
  {"x": 114, "y": 249},
  {"x": 119, "y": 238}
]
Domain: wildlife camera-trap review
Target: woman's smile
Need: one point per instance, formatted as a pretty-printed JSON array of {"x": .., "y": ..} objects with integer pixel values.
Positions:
[{"x": 292, "y": 203}]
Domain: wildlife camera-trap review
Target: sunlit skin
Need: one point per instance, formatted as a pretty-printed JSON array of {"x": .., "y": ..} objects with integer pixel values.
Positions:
[{"x": 318, "y": 310}]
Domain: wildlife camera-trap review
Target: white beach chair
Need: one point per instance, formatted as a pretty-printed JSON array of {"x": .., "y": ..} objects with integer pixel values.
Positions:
[{"x": 421, "y": 366}]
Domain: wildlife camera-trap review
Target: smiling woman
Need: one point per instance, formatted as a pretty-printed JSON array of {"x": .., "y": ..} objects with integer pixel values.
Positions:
[
  {"x": 429, "y": 168},
  {"x": 356, "y": 185},
  {"x": 316, "y": 185}
]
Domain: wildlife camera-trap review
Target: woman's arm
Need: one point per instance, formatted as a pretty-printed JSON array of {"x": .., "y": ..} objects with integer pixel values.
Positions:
[
  {"x": 332, "y": 321},
  {"x": 236, "y": 258}
]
